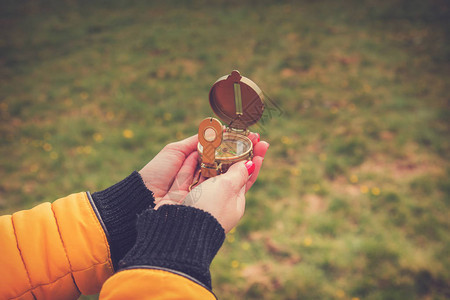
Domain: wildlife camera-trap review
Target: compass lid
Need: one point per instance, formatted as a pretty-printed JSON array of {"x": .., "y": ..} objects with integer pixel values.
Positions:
[{"x": 236, "y": 100}]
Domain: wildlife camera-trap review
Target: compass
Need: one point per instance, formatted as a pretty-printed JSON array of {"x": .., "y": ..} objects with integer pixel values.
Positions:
[{"x": 237, "y": 102}]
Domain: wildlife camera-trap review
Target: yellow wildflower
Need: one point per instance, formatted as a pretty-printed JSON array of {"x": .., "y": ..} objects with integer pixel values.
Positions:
[
  {"x": 98, "y": 137},
  {"x": 53, "y": 155},
  {"x": 47, "y": 147},
  {"x": 235, "y": 264},
  {"x": 353, "y": 178},
  {"x": 295, "y": 172},
  {"x": 245, "y": 246},
  {"x": 340, "y": 294},
  {"x": 128, "y": 134},
  {"x": 364, "y": 189},
  {"x": 307, "y": 241},
  {"x": 230, "y": 239},
  {"x": 286, "y": 140},
  {"x": 87, "y": 149},
  {"x": 375, "y": 191}
]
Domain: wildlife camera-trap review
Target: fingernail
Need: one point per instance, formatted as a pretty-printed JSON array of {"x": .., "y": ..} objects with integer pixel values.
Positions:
[
  {"x": 258, "y": 138},
  {"x": 250, "y": 167}
]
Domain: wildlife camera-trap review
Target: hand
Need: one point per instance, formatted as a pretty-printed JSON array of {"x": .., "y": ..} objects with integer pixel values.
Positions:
[
  {"x": 167, "y": 168},
  {"x": 222, "y": 196}
]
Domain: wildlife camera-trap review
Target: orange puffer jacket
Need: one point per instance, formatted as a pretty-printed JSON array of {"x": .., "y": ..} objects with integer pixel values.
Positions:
[{"x": 59, "y": 250}]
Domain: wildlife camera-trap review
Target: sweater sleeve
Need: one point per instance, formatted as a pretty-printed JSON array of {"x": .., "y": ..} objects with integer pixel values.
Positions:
[
  {"x": 178, "y": 238},
  {"x": 174, "y": 249},
  {"x": 117, "y": 207}
]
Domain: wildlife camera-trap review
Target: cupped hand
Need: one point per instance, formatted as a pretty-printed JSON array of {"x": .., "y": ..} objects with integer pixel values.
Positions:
[
  {"x": 167, "y": 168},
  {"x": 222, "y": 196}
]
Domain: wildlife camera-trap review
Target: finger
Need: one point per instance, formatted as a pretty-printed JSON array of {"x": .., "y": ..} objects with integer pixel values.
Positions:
[
  {"x": 165, "y": 202},
  {"x": 186, "y": 174},
  {"x": 184, "y": 178},
  {"x": 254, "y": 137},
  {"x": 237, "y": 175},
  {"x": 260, "y": 151},
  {"x": 241, "y": 201},
  {"x": 260, "y": 148},
  {"x": 186, "y": 146},
  {"x": 257, "y": 160},
  {"x": 175, "y": 154}
]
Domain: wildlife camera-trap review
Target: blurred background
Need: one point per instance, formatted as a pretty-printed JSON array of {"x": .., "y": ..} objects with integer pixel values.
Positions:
[{"x": 353, "y": 199}]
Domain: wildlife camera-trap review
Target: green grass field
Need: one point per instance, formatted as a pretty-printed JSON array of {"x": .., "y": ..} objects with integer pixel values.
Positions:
[{"x": 353, "y": 199}]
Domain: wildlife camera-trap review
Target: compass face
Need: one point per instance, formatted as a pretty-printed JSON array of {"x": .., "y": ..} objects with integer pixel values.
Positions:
[{"x": 233, "y": 146}]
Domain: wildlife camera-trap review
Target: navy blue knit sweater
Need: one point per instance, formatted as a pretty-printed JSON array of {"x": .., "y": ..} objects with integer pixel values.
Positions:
[{"x": 175, "y": 237}]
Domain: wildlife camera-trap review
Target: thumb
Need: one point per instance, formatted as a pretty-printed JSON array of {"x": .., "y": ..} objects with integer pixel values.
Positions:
[
  {"x": 165, "y": 202},
  {"x": 238, "y": 174}
]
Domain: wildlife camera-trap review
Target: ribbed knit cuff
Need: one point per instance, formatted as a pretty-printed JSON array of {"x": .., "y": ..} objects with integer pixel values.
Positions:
[
  {"x": 119, "y": 206},
  {"x": 179, "y": 238}
]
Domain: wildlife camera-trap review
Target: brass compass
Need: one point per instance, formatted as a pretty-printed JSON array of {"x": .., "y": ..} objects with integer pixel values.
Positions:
[{"x": 238, "y": 102}]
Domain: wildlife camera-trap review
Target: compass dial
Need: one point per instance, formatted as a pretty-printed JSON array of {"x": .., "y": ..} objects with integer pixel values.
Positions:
[{"x": 232, "y": 146}]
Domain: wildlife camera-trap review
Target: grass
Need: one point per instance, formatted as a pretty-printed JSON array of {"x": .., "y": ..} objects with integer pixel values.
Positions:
[{"x": 353, "y": 200}]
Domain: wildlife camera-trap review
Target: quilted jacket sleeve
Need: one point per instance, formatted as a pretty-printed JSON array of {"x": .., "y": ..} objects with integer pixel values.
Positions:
[
  {"x": 53, "y": 251},
  {"x": 153, "y": 284}
]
